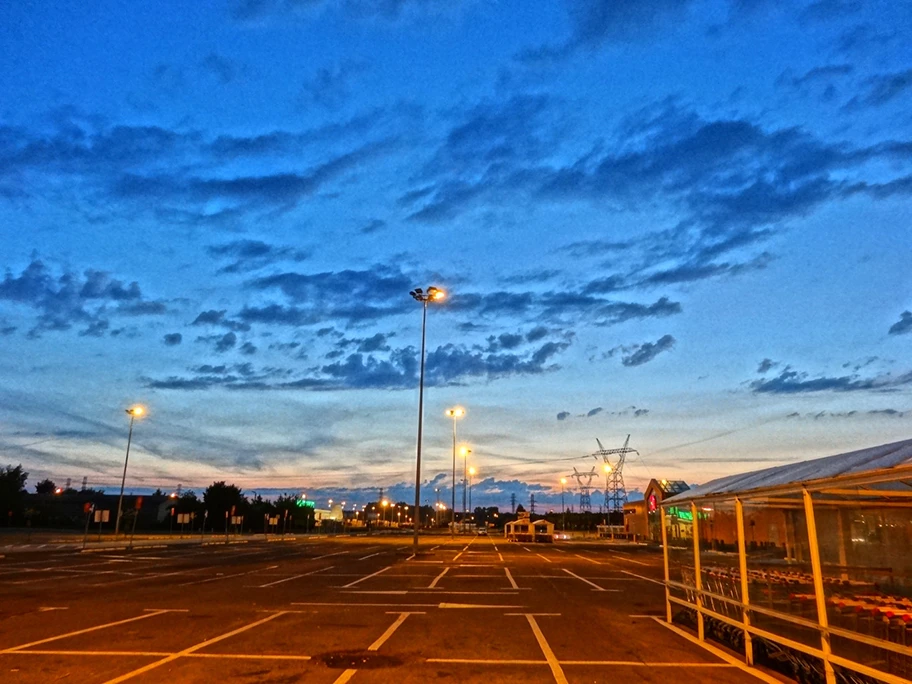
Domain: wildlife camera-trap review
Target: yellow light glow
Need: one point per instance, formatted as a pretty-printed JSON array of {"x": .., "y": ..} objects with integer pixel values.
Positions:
[
  {"x": 607, "y": 468},
  {"x": 439, "y": 294},
  {"x": 136, "y": 411},
  {"x": 384, "y": 503},
  {"x": 464, "y": 452},
  {"x": 456, "y": 412},
  {"x": 563, "y": 480},
  {"x": 472, "y": 471}
]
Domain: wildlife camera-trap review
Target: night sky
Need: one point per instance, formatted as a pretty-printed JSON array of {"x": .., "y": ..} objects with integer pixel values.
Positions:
[{"x": 686, "y": 221}]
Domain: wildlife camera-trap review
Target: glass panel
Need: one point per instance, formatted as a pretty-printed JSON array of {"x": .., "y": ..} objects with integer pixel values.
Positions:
[
  {"x": 865, "y": 551},
  {"x": 779, "y": 565},
  {"x": 719, "y": 564}
]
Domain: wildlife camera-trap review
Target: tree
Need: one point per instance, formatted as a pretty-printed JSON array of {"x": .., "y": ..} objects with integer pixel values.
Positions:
[
  {"x": 219, "y": 498},
  {"x": 12, "y": 490},
  {"x": 46, "y": 486}
]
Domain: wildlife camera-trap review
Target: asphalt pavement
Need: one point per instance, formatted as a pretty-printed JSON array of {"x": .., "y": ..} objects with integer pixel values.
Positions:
[{"x": 340, "y": 609}]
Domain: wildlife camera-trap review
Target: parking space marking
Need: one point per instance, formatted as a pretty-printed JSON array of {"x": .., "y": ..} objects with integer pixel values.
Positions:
[
  {"x": 370, "y": 555},
  {"x": 762, "y": 676},
  {"x": 500, "y": 555},
  {"x": 631, "y": 560},
  {"x": 553, "y": 663},
  {"x": 645, "y": 579},
  {"x": 439, "y": 577},
  {"x": 587, "y": 559},
  {"x": 191, "y": 649},
  {"x": 288, "y": 579},
  {"x": 327, "y": 555},
  {"x": 223, "y": 577},
  {"x": 510, "y": 577},
  {"x": 373, "y": 574},
  {"x": 545, "y": 558},
  {"x": 348, "y": 674},
  {"x": 15, "y": 649},
  {"x": 583, "y": 579}
]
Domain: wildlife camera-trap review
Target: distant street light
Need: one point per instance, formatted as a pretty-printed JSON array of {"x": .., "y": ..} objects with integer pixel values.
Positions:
[
  {"x": 134, "y": 413},
  {"x": 465, "y": 480},
  {"x": 455, "y": 413},
  {"x": 433, "y": 294},
  {"x": 384, "y": 504}
]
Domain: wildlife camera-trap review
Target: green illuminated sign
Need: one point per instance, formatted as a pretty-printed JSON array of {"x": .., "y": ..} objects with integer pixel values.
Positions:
[
  {"x": 681, "y": 514},
  {"x": 304, "y": 503}
]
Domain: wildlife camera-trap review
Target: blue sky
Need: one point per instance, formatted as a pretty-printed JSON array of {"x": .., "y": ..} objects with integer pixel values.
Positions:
[{"x": 687, "y": 221}]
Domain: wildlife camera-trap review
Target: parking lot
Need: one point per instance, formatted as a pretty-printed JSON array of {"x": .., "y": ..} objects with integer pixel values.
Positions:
[{"x": 339, "y": 609}]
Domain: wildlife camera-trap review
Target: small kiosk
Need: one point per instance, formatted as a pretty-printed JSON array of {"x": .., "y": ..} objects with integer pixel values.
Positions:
[{"x": 524, "y": 530}]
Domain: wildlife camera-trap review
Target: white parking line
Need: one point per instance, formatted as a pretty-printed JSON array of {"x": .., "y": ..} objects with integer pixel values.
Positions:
[
  {"x": 348, "y": 674},
  {"x": 439, "y": 577},
  {"x": 288, "y": 579},
  {"x": 510, "y": 577},
  {"x": 84, "y": 631},
  {"x": 587, "y": 559},
  {"x": 553, "y": 663},
  {"x": 645, "y": 579},
  {"x": 370, "y": 555},
  {"x": 583, "y": 579},
  {"x": 196, "y": 647},
  {"x": 545, "y": 558},
  {"x": 373, "y": 574},
  {"x": 223, "y": 577}
]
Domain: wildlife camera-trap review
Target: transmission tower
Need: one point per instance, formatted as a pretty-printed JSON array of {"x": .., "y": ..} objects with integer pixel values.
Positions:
[
  {"x": 615, "y": 491},
  {"x": 585, "y": 497}
]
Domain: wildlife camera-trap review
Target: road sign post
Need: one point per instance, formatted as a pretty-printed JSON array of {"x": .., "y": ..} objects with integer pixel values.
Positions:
[{"x": 88, "y": 508}]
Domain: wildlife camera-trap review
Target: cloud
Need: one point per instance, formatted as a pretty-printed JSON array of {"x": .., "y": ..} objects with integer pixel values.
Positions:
[
  {"x": 250, "y": 255},
  {"x": 172, "y": 339},
  {"x": 830, "y": 10},
  {"x": 394, "y": 369},
  {"x": 821, "y": 415},
  {"x": 882, "y": 89},
  {"x": 373, "y": 226},
  {"x": 790, "y": 381},
  {"x": 594, "y": 412},
  {"x": 223, "y": 68},
  {"x": 765, "y": 366},
  {"x": 219, "y": 318},
  {"x": 595, "y": 22},
  {"x": 903, "y": 325},
  {"x": 563, "y": 415},
  {"x": 64, "y": 300},
  {"x": 646, "y": 352},
  {"x": 390, "y": 10},
  {"x": 330, "y": 86}
]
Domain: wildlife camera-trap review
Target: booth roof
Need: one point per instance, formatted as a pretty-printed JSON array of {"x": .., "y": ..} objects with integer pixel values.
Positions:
[{"x": 852, "y": 463}]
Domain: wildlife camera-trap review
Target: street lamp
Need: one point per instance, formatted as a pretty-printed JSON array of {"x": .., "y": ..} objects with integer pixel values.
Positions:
[
  {"x": 433, "y": 294},
  {"x": 384, "y": 503},
  {"x": 455, "y": 413},
  {"x": 465, "y": 480},
  {"x": 472, "y": 472},
  {"x": 134, "y": 413},
  {"x": 563, "y": 481}
]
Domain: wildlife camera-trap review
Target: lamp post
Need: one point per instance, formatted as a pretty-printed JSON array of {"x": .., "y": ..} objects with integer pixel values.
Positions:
[
  {"x": 472, "y": 472},
  {"x": 563, "y": 481},
  {"x": 384, "y": 504},
  {"x": 465, "y": 480},
  {"x": 455, "y": 413},
  {"x": 433, "y": 294},
  {"x": 134, "y": 413}
]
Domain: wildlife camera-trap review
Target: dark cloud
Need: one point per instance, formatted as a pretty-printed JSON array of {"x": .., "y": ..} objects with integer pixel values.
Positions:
[
  {"x": 765, "y": 366},
  {"x": 563, "y": 415},
  {"x": 258, "y": 10},
  {"x": 173, "y": 339},
  {"x": 223, "y": 68},
  {"x": 822, "y": 74},
  {"x": 790, "y": 381},
  {"x": 395, "y": 369},
  {"x": 219, "y": 318},
  {"x": 373, "y": 226},
  {"x": 882, "y": 89},
  {"x": 903, "y": 325},
  {"x": 820, "y": 415},
  {"x": 331, "y": 86},
  {"x": 595, "y": 22},
  {"x": 594, "y": 412},
  {"x": 64, "y": 300},
  {"x": 248, "y": 348},
  {"x": 646, "y": 352},
  {"x": 249, "y": 255},
  {"x": 830, "y": 10}
]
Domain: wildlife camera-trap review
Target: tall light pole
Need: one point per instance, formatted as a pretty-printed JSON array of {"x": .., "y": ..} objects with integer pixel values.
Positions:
[
  {"x": 465, "y": 480},
  {"x": 455, "y": 413},
  {"x": 134, "y": 413},
  {"x": 433, "y": 294},
  {"x": 472, "y": 472},
  {"x": 563, "y": 481}
]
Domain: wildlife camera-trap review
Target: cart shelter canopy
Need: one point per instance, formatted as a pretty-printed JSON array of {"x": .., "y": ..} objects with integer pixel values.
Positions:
[{"x": 814, "y": 472}]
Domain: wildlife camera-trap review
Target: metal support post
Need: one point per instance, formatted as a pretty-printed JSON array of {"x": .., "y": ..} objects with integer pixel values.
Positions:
[
  {"x": 667, "y": 566},
  {"x": 817, "y": 569},
  {"x": 745, "y": 584},
  {"x": 698, "y": 574}
]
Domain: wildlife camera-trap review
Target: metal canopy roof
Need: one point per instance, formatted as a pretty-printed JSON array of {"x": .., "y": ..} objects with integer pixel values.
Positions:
[{"x": 811, "y": 473}]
